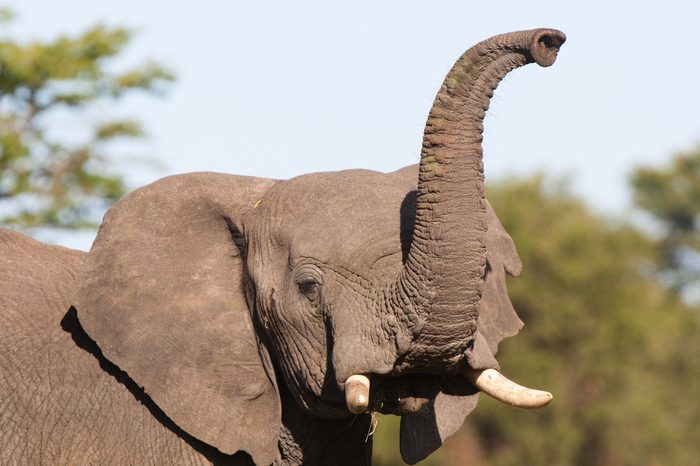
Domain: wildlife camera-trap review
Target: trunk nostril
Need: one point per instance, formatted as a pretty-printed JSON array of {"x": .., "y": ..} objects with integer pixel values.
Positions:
[{"x": 545, "y": 46}]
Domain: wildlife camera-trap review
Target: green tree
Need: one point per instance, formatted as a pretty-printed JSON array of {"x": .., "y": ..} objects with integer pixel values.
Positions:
[
  {"x": 52, "y": 173},
  {"x": 615, "y": 348},
  {"x": 671, "y": 195}
]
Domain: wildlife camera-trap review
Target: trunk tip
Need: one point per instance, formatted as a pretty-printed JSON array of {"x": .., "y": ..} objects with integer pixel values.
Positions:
[{"x": 545, "y": 46}]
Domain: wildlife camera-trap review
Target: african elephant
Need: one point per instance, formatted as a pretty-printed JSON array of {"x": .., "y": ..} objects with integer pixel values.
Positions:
[{"x": 240, "y": 320}]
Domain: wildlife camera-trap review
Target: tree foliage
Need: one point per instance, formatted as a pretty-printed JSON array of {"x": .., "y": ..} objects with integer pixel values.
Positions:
[
  {"x": 53, "y": 172},
  {"x": 671, "y": 195},
  {"x": 612, "y": 344}
]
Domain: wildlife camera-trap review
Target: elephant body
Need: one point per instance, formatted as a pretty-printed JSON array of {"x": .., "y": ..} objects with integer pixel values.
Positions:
[
  {"x": 239, "y": 320},
  {"x": 67, "y": 403}
]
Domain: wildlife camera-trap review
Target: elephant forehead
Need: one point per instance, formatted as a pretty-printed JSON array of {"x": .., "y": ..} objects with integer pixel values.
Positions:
[
  {"x": 359, "y": 244},
  {"x": 353, "y": 216}
]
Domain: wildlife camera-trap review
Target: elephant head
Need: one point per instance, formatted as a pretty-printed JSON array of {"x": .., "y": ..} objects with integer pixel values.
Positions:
[{"x": 351, "y": 290}]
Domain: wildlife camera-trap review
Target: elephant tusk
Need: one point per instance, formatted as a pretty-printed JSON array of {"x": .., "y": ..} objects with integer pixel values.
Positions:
[
  {"x": 357, "y": 393},
  {"x": 495, "y": 384}
]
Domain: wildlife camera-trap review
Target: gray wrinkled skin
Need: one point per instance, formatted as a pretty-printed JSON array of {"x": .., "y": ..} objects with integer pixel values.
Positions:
[{"x": 216, "y": 317}]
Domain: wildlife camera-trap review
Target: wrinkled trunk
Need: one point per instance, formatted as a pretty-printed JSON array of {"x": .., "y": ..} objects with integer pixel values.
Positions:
[{"x": 436, "y": 298}]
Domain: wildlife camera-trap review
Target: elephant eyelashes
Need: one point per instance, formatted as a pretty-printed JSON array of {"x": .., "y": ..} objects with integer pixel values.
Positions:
[{"x": 310, "y": 288}]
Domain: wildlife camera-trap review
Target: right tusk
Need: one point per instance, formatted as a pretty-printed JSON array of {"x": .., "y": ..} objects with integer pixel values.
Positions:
[
  {"x": 495, "y": 384},
  {"x": 357, "y": 393}
]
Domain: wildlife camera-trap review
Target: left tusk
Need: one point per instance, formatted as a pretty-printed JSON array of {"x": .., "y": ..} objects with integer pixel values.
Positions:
[
  {"x": 357, "y": 393},
  {"x": 495, "y": 384}
]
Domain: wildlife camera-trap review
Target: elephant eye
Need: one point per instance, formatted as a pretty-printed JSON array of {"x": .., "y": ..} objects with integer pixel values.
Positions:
[{"x": 309, "y": 288}]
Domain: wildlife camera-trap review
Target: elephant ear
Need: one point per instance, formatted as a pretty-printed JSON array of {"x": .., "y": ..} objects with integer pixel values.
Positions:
[
  {"x": 424, "y": 432},
  {"x": 497, "y": 318},
  {"x": 163, "y": 295}
]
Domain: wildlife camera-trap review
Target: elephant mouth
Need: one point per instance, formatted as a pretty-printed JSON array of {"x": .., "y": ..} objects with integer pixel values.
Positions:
[{"x": 410, "y": 393}]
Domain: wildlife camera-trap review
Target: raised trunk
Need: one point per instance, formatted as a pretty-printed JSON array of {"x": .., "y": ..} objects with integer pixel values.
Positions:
[{"x": 437, "y": 294}]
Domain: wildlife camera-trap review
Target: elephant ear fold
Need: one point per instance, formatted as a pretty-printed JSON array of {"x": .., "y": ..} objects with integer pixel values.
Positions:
[
  {"x": 163, "y": 295},
  {"x": 497, "y": 318}
]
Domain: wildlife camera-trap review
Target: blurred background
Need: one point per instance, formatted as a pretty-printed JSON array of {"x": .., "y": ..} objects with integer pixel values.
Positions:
[{"x": 593, "y": 167}]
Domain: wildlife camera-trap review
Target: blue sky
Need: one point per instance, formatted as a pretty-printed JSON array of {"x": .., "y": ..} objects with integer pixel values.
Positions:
[{"x": 277, "y": 89}]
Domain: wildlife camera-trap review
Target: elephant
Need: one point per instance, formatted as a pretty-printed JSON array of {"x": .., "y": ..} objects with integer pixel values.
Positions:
[{"x": 239, "y": 320}]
